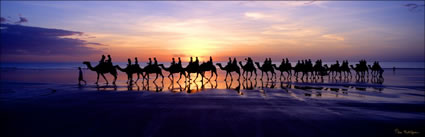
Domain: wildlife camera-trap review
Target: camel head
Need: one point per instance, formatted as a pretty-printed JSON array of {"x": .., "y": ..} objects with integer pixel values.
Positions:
[
  {"x": 219, "y": 64},
  {"x": 86, "y": 62}
]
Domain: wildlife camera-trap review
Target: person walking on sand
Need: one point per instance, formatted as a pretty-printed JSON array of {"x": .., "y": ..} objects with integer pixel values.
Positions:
[{"x": 80, "y": 77}]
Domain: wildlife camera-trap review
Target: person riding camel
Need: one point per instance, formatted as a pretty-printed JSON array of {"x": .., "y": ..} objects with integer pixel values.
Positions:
[
  {"x": 234, "y": 63},
  {"x": 197, "y": 61},
  {"x": 173, "y": 62},
  {"x": 155, "y": 62},
  {"x": 211, "y": 61},
  {"x": 129, "y": 62},
  {"x": 191, "y": 61},
  {"x": 109, "y": 61},
  {"x": 180, "y": 62},
  {"x": 102, "y": 60},
  {"x": 230, "y": 61},
  {"x": 150, "y": 62},
  {"x": 135, "y": 61}
]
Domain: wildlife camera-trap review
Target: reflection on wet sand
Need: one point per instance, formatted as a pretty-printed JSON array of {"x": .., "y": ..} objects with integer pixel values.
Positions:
[{"x": 248, "y": 84}]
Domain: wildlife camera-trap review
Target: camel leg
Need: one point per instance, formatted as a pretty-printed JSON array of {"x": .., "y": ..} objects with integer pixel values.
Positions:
[
  {"x": 197, "y": 74},
  {"x": 262, "y": 72},
  {"x": 215, "y": 72},
  {"x": 137, "y": 78},
  {"x": 160, "y": 73},
  {"x": 97, "y": 78},
  {"x": 231, "y": 77},
  {"x": 156, "y": 77},
  {"x": 104, "y": 78},
  {"x": 225, "y": 78},
  {"x": 267, "y": 74}
]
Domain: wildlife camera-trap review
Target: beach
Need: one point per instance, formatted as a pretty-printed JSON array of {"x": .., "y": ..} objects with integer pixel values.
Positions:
[{"x": 49, "y": 102}]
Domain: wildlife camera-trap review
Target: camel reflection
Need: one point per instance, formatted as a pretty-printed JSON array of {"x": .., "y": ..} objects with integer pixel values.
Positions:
[{"x": 237, "y": 88}]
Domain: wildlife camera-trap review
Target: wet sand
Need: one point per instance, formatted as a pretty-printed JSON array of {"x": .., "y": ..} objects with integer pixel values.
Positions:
[{"x": 50, "y": 103}]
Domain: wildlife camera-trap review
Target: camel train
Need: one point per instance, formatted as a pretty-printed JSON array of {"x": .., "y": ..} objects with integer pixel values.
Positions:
[{"x": 303, "y": 69}]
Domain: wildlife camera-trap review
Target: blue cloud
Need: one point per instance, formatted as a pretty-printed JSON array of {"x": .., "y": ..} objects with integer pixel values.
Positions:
[{"x": 27, "y": 40}]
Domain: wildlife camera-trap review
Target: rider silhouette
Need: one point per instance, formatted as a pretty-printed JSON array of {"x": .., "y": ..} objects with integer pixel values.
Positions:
[
  {"x": 102, "y": 60},
  {"x": 211, "y": 61},
  {"x": 129, "y": 62},
  {"x": 234, "y": 62},
  {"x": 150, "y": 62},
  {"x": 197, "y": 61},
  {"x": 135, "y": 61},
  {"x": 109, "y": 61},
  {"x": 191, "y": 61},
  {"x": 174, "y": 62},
  {"x": 230, "y": 61},
  {"x": 180, "y": 61},
  {"x": 155, "y": 62}
]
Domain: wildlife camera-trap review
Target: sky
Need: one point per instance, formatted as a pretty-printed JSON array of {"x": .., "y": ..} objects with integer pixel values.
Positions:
[{"x": 74, "y": 31}]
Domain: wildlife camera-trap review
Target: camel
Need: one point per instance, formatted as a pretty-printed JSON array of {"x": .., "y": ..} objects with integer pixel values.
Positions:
[
  {"x": 230, "y": 68},
  {"x": 129, "y": 70},
  {"x": 334, "y": 69},
  {"x": 174, "y": 69},
  {"x": 266, "y": 70},
  {"x": 208, "y": 67},
  {"x": 360, "y": 72},
  {"x": 345, "y": 69},
  {"x": 248, "y": 68},
  {"x": 102, "y": 69},
  {"x": 153, "y": 69},
  {"x": 283, "y": 68},
  {"x": 192, "y": 68},
  {"x": 376, "y": 70}
]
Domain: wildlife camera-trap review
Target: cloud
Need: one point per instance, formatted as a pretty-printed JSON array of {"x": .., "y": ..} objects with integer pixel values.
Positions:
[
  {"x": 22, "y": 20},
  {"x": 333, "y": 37},
  {"x": 2, "y": 19},
  {"x": 254, "y": 15},
  {"x": 26, "y": 40}
]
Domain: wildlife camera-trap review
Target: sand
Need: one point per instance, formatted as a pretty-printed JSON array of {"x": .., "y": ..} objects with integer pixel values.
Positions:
[{"x": 239, "y": 108}]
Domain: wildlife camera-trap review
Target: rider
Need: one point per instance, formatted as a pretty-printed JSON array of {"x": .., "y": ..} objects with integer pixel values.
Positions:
[
  {"x": 234, "y": 62},
  {"x": 129, "y": 62},
  {"x": 135, "y": 61},
  {"x": 102, "y": 60},
  {"x": 155, "y": 62},
  {"x": 109, "y": 61},
  {"x": 197, "y": 61},
  {"x": 173, "y": 62},
  {"x": 180, "y": 61},
  {"x": 191, "y": 61},
  {"x": 211, "y": 61},
  {"x": 230, "y": 61},
  {"x": 150, "y": 62}
]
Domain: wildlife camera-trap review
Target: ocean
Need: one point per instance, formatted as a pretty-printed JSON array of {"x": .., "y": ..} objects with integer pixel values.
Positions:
[{"x": 75, "y": 65}]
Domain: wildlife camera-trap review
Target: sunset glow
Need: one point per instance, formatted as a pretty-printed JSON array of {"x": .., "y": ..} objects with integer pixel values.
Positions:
[{"x": 297, "y": 30}]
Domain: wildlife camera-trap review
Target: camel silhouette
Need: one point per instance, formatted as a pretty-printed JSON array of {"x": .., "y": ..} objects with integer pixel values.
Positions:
[
  {"x": 376, "y": 69},
  {"x": 153, "y": 69},
  {"x": 192, "y": 67},
  {"x": 129, "y": 71},
  {"x": 345, "y": 69},
  {"x": 174, "y": 68},
  {"x": 265, "y": 69},
  {"x": 248, "y": 68},
  {"x": 230, "y": 68},
  {"x": 334, "y": 70},
  {"x": 102, "y": 69},
  {"x": 360, "y": 72},
  {"x": 208, "y": 67},
  {"x": 283, "y": 67}
]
